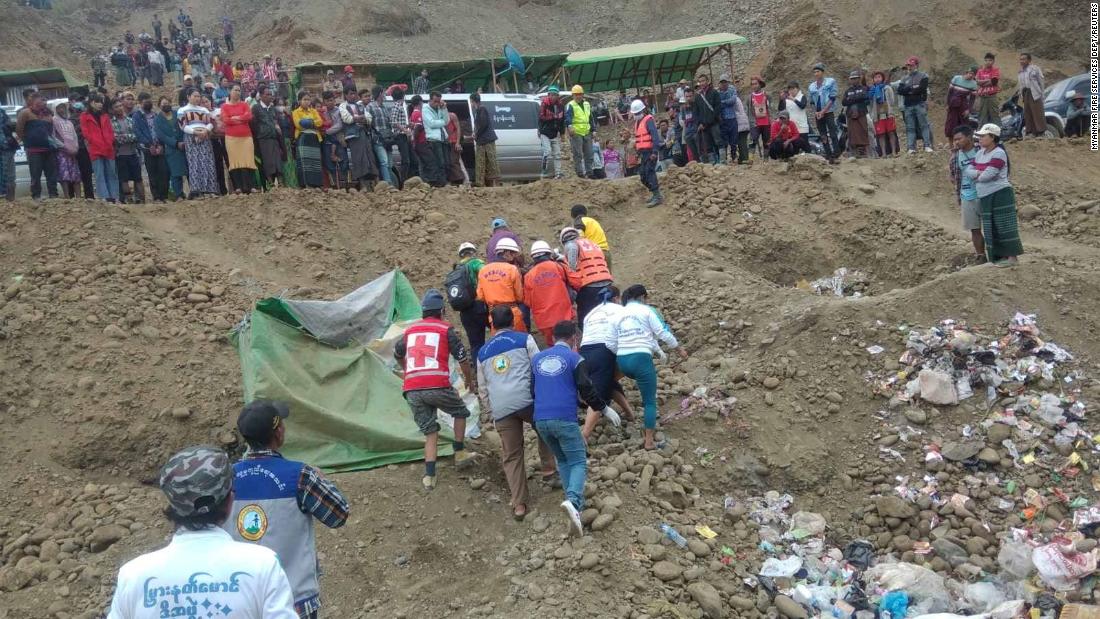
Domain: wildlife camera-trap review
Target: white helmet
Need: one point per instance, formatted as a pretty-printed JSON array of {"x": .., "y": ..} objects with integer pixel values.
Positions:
[
  {"x": 539, "y": 247},
  {"x": 507, "y": 244},
  {"x": 568, "y": 232},
  {"x": 466, "y": 246},
  {"x": 637, "y": 106}
]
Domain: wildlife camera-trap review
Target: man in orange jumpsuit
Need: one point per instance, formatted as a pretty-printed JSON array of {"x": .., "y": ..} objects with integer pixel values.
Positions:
[
  {"x": 500, "y": 283},
  {"x": 546, "y": 291}
]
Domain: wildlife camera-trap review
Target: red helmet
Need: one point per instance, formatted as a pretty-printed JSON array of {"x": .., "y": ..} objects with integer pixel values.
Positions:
[{"x": 348, "y": 69}]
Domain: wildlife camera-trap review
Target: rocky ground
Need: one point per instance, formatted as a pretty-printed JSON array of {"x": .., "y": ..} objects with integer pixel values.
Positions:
[{"x": 113, "y": 324}]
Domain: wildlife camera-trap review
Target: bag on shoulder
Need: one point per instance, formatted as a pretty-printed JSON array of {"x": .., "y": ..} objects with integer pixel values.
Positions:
[{"x": 460, "y": 290}]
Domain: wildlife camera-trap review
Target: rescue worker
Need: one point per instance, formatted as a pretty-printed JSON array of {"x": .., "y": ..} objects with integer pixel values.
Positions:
[
  {"x": 198, "y": 483},
  {"x": 501, "y": 284},
  {"x": 588, "y": 272},
  {"x": 475, "y": 319},
  {"x": 578, "y": 124},
  {"x": 546, "y": 291},
  {"x": 275, "y": 501},
  {"x": 591, "y": 229},
  {"x": 504, "y": 382},
  {"x": 424, "y": 352},
  {"x": 500, "y": 230},
  {"x": 647, "y": 143},
  {"x": 559, "y": 377}
]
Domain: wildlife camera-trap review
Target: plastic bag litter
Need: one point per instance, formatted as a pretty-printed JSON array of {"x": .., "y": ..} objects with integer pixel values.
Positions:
[
  {"x": 1015, "y": 559},
  {"x": 894, "y": 605},
  {"x": 1060, "y": 566},
  {"x": 781, "y": 568},
  {"x": 860, "y": 553},
  {"x": 1050, "y": 410},
  {"x": 1008, "y": 610},
  {"x": 805, "y": 524},
  {"x": 926, "y": 589},
  {"x": 937, "y": 387},
  {"x": 983, "y": 596}
]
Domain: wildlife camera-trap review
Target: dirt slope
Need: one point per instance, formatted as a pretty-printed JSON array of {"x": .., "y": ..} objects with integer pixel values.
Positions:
[{"x": 113, "y": 323}]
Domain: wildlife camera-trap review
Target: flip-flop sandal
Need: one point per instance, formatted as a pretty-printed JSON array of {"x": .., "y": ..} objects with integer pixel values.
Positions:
[
  {"x": 519, "y": 517},
  {"x": 659, "y": 445}
]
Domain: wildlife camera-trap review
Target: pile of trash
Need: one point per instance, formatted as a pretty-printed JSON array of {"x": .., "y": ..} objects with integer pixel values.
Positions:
[
  {"x": 712, "y": 402},
  {"x": 844, "y": 282}
]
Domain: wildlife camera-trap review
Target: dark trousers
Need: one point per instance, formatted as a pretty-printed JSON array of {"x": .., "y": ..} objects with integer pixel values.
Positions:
[
  {"x": 157, "y": 168},
  {"x": 405, "y": 150},
  {"x": 743, "y": 146},
  {"x": 728, "y": 129},
  {"x": 100, "y": 80},
  {"x": 242, "y": 179},
  {"x": 221, "y": 162},
  {"x": 84, "y": 162},
  {"x": 587, "y": 300},
  {"x": 229, "y": 42},
  {"x": 38, "y": 163},
  {"x": 710, "y": 143},
  {"x": 474, "y": 321},
  {"x": 1077, "y": 127},
  {"x": 779, "y": 150},
  {"x": 647, "y": 171},
  {"x": 827, "y": 132}
]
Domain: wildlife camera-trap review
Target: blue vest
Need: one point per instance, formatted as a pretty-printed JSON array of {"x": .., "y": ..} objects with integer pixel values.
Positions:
[
  {"x": 555, "y": 390},
  {"x": 266, "y": 512}
]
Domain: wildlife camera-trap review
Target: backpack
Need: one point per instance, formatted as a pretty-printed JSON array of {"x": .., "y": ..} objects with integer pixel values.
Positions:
[{"x": 459, "y": 289}]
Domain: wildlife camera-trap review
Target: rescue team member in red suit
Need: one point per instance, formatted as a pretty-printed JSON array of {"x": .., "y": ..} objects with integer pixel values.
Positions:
[{"x": 546, "y": 291}]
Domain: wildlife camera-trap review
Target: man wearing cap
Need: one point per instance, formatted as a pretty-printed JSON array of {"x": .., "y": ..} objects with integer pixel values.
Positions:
[
  {"x": 500, "y": 283},
  {"x": 913, "y": 89},
  {"x": 855, "y": 111},
  {"x": 578, "y": 124},
  {"x": 551, "y": 126},
  {"x": 989, "y": 84},
  {"x": 727, "y": 122},
  {"x": 331, "y": 84},
  {"x": 504, "y": 382},
  {"x": 784, "y": 135},
  {"x": 275, "y": 501},
  {"x": 823, "y": 95},
  {"x": 546, "y": 291},
  {"x": 1078, "y": 118},
  {"x": 424, "y": 354},
  {"x": 348, "y": 81},
  {"x": 224, "y": 576},
  {"x": 500, "y": 230},
  {"x": 588, "y": 270},
  {"x": 475, "y": 319},
  {"x": 1029, "y": 90}
]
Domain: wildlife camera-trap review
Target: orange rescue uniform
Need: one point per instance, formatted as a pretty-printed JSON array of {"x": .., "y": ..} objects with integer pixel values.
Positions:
[
  {"x": 591, "y": 265},
  {"x": 500, "y": 283},
  {"x": 546, "y": 292}
]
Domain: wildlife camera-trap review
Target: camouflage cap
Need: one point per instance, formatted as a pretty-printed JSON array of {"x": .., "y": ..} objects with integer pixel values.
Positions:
[{"x": 196, "y": 473}]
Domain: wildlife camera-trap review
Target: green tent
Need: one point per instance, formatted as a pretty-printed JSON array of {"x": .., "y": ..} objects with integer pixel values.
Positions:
[{"x": 346, "y": 407}]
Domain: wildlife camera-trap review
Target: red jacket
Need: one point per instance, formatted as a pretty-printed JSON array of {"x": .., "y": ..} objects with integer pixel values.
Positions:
[
  {"x": 239, "y": 128},
  {"x": 784, "y": 133},
  {"x": 99, "y": 136},
  {"x": 546, "y": 292}
]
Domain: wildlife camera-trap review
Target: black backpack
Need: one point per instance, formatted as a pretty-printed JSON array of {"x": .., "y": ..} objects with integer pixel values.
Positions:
[{"x": 460, "y": 291}]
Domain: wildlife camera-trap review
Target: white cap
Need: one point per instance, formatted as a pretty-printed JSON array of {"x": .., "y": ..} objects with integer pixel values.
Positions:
[
  {"x": 507, "y": 244},
  {"x": 566, "y": 231},
  {"x": 463, "y": 247},
  {"x": 1072, "y": 94},
  {"x": 637, "y": 106},
  {"x": 539, "y": 247},
  {"x": 989, "y": 129}
]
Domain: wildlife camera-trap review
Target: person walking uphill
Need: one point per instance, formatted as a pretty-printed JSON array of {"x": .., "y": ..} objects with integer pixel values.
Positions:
[
  {"x": 578, "y": 124},
  {"x": 486, "y": 167},
  {"x": 638, "y": 332},
  {"x": 504, "y": 381},
  {"x": 647, "y": 142},
  {"x": 551, "y": 126},
  {"x": 500, "y": 283},
  {"x": 1029, "y": 89},
  {"x": 990, "y": 171},
  {"x": 500, "y": 230},
  {"x": 276, "y": 500},
  {"x": 423, "y": 353},
  {"x": 559, "y": 376},
  {"x": 461, "y": 288},
  {"x": 244, "y": 578},
  {"x": 588, "y": 270},
  {"x": 546, "y": 291},
  {"x": 591, "y": 229}
]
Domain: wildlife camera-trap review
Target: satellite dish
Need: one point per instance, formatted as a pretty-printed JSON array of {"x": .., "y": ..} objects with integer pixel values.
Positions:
[{"x": 515, "y": 61}]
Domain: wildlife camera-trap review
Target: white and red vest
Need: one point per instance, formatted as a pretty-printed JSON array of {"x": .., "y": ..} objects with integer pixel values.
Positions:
[{"x": 427, "y": 355}]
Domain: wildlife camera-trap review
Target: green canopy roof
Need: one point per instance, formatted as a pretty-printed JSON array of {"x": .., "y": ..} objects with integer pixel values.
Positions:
[
  {"x": 50, "y": 75},
  {"x": 641, "y": 65}
]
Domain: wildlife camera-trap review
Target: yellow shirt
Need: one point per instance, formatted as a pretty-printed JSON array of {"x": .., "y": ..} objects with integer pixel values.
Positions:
[
  {"x": 593, "y": 231},
  {"x": 298, "y": 114}
]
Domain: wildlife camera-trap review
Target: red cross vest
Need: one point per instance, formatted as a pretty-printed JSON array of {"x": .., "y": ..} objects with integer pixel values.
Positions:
[{"x": 427, "y": 354}]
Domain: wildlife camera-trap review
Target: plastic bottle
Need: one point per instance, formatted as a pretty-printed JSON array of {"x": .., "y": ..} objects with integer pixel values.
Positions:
[{"x": 671, "y": 533}]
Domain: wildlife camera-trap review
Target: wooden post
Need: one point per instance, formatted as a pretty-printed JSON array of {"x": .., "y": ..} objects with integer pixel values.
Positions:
[
  {"x": 515, "y": 80},
  {"x": 729, "y": 57},
  {"x": 493, "y": 70}
]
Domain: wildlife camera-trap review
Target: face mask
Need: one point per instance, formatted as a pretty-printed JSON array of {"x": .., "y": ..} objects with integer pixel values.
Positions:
[
  {"x": 147, "y": 106},
  {"x": 166, "y": 108}
]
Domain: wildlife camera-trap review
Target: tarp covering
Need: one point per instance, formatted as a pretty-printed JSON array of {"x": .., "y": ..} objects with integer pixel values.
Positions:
[
  {"x": 347, "y": 410},
  {"x": 642, "y": 65}
]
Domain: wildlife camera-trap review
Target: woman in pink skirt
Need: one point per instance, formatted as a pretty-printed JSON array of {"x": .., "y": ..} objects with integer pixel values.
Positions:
[{"x": 68, "y": 170}]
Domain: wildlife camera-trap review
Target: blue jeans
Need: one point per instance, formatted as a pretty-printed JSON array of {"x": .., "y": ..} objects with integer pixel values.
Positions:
[
  {"x": 914, "y": 115},
  {"x": 565, "y": 441},
  {"x": 639, "y": 366},
  {"x": 176, "y": 184},
  {"x": 106, "y": 179},
  {"x": 382, "y": 154}
]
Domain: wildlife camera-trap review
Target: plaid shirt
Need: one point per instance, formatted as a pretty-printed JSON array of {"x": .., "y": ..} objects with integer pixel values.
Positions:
[
  {"x": 399, "y": 118},
  {"x": 319, "y": 497}
]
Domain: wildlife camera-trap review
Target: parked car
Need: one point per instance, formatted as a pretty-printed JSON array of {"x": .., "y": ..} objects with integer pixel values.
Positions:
[{"x": 1055, "y": 103}]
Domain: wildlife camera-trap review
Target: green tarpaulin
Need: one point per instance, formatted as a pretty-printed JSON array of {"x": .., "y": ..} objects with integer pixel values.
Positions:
[
  {"x": 347, "y": 410},
  {"x": 643, "y": 65}
]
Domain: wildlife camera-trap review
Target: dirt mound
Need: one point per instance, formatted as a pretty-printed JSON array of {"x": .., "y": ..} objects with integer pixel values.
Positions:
[{"x": 113, "y": 324}]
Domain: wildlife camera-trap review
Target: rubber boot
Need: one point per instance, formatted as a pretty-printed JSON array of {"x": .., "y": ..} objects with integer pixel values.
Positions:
[{"x": 655, "y": 199}]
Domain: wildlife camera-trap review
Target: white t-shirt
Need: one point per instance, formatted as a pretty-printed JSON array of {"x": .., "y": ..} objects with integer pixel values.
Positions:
[
  {"x": 798, "y": 114},
  {"x": 203, "y": 572},
  {"x": 601, "y": 326},
  {"x": 640, "y": 328}
]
